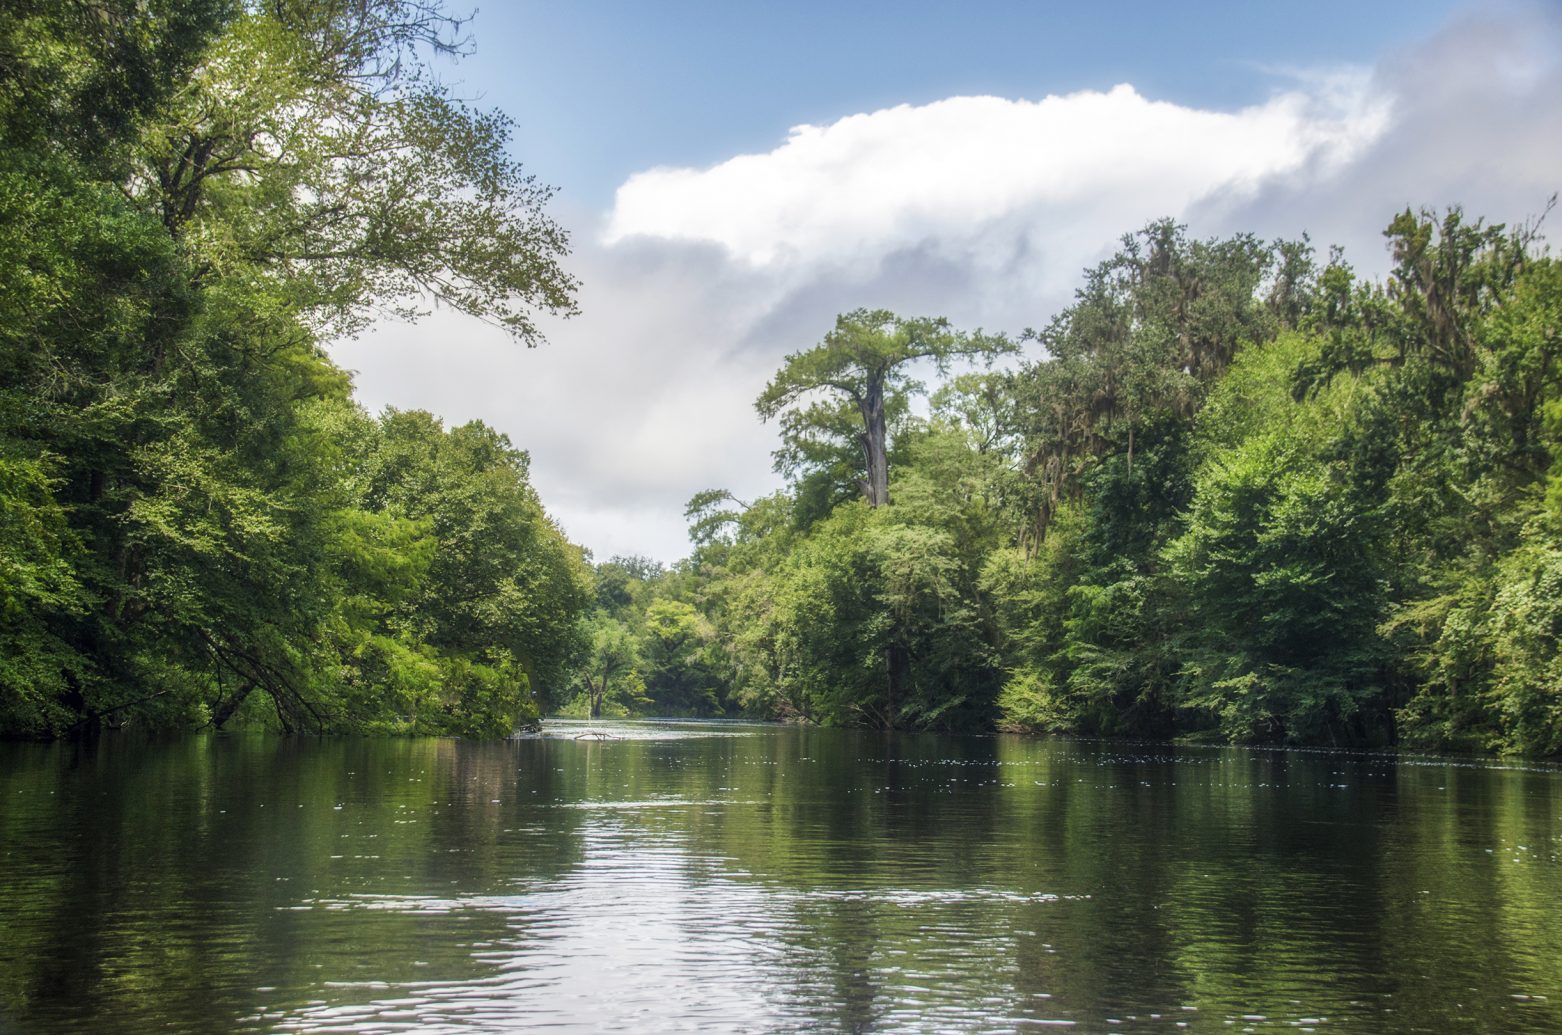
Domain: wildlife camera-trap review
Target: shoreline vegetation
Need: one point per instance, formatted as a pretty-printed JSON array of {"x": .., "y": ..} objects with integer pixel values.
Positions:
[
  {"x": 1233, "y": 493},
  {"x": 1243, "y": 497}
]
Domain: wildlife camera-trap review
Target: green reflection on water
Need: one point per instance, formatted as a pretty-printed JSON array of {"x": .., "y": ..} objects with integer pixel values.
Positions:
[{"x": 764, "y": 878}]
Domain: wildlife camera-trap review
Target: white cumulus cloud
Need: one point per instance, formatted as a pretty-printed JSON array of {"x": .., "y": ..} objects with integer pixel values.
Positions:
[
  {"x": 970, "y": 169},
  {"x": 699, "y": 280}
]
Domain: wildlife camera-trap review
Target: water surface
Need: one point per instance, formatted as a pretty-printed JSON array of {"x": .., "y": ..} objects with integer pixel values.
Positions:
[{"x": 732, "y": 877}]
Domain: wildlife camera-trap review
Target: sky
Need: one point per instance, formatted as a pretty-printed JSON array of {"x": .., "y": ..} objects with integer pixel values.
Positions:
[{"x": 734, "y": 175}]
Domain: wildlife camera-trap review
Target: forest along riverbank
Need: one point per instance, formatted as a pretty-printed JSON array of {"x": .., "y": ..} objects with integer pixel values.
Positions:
[
  {"x": 1233, "y": 491},
  {"x": 688, "y": 873}
]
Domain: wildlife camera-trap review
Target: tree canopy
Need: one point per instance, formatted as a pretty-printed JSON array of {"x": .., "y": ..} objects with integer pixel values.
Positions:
[
  {"x": 1232, "y": 491},
  {"x": 199, "y": 523},
  {"x": 1240, "y": 494},
  {"x": 862, "y": 368}
]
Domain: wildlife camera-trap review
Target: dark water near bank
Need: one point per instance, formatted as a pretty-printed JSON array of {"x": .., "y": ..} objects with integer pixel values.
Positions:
[{"x": 753, "y": 878}]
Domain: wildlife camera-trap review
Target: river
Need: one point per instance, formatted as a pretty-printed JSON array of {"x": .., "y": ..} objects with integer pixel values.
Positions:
[{"x": 651, "y": 876}]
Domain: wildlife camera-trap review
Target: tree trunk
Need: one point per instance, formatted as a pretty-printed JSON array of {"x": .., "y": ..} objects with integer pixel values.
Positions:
[
  {"x": 874, "y": 442},
  {"x": 600, "y": 694},
  {"x": 895, "y": 664},
  {"x": 225, "y": 709},
  {"x": 282, "y": 713}
]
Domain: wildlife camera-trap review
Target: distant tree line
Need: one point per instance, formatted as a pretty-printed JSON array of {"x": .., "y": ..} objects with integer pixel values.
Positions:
[{"x": 1241, "y": 495}]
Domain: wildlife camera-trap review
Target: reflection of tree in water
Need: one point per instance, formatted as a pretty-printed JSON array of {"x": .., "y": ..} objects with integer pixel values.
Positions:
[
  {"x": 844, "y": 936},
  {"x": 189, "y": 874},
  {"x": 486, "y": 818},
  {"x": 853, "y": 881},
  {"x": 148, "y": 853},
  {"x": 864, "y": 843},
  {"x": 1467, "y": 882}
]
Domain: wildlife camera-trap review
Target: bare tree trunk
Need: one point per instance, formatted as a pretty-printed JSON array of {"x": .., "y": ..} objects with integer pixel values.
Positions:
[
  {"x": 875, "y": 442},
  {"x": 282, "y": 713},
  {"x": 226, "y": 708},
  {"x": 895, "y": 663},
  {"x": 600, "y": 694}
]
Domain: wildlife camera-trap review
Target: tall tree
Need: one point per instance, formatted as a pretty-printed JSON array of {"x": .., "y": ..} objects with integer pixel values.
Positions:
[
  {"x": 609, "y": 672},
  {"x": 860, "y": 365}
]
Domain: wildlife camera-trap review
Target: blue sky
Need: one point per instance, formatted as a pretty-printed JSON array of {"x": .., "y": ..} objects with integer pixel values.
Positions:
[
  {"x": 734, "y": 175},
  {"x": 600, "y": 90}
]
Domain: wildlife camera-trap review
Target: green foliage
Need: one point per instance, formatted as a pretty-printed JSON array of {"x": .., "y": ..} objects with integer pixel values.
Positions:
[
  {"x": 1240, "y": 493},
  {"x": 1472, "y": 343},
  {"x": 681, "y": 676},
  {"x": 609, "y": 678},
  {"x": 37, "y": 581},
  {"x": 1243, "y": 495},
  {"x": 1030, "y": 595},
  {"x": 348, "y": 174},
  {"x": 840, "y": 400},
  {"x": 1281, "y": 562},
  {"x": 197, "y": 524}
]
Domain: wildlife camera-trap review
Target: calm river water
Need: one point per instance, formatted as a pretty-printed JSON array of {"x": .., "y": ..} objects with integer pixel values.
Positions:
[{"x": 756, "y": 878}]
